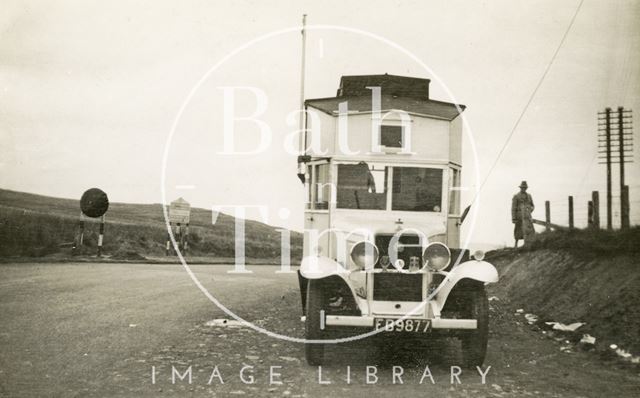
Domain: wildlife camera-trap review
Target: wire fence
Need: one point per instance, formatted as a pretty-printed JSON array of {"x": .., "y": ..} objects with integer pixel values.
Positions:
[{"x": 586, "y": 211}]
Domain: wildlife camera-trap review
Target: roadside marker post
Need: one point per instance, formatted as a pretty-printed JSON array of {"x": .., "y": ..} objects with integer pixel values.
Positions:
[
  {"x": 185, "y": 244},
  {"x": 94, "y": 203},
  {"x": 81, "y": 239},
  {"x": 168, "y": 245},
  {"x": 101, "y": 237},
  {"x": 179, "y": 236},
  {"x": 179, "y": 214}
]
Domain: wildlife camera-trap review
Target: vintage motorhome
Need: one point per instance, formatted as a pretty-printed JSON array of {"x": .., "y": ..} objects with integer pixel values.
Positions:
[{"x": 381, "y": 166}]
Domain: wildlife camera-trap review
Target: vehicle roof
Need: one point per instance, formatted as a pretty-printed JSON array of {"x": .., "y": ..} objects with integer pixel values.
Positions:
[
  {"x": 409, "y": 94},
  {"x": 358, "y": 104}
]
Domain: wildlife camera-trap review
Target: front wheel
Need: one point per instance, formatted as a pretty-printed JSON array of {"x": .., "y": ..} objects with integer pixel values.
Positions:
[
  {"x": 474, "y": 342},
  {"x": 314, "y": 353}
]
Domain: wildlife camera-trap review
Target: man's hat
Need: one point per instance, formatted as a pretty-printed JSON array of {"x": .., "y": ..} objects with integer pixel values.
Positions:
[{"x": 523, "y": 184}]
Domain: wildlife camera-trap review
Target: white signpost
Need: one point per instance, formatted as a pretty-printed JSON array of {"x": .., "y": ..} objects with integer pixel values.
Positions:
[{"x": 179, "y": 213}]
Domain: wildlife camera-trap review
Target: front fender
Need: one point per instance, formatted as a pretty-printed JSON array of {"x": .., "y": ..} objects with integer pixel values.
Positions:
[
  {"x": 323, "y": 268},
  {"x": 313, "y": 267},
  {"x": 480, "y": 271}
]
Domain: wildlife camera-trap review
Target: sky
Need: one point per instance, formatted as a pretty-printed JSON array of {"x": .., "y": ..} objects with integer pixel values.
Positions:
[{"x": 90, "y": 93}]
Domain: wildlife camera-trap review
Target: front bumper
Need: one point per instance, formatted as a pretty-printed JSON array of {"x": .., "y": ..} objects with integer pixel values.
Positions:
[{"x": 368, "y": 321}]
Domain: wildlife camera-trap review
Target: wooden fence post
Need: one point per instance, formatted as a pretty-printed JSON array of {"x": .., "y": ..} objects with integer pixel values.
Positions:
[
  {"x": 570, "y": 212},
  {"x": 595, "y": 197},
  {"x": 547, "y": 215},
  {"x": 624, "y": 197}
]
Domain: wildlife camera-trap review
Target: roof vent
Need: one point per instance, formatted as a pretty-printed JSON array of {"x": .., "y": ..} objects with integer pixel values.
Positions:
[{"x": 398, "y": 86}]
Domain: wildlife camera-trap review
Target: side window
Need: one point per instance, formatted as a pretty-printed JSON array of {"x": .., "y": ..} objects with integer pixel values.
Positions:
[
  {"x": 322, "y": 187},
  {"x": 454, "y": 191},
  {"x": 309, "y": 188}
]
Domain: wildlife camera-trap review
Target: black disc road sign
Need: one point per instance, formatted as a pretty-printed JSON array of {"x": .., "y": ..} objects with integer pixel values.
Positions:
[{"x": 94, "y": 203}]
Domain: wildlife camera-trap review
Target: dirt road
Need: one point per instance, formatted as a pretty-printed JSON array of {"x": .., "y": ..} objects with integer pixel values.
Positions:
[{"x": 103, "y": 329}]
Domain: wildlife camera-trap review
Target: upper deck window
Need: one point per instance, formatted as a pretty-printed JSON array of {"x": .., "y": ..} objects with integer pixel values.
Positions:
[
  {"x": 391, "y": 136},
  {"x": 417, "y": 189}
]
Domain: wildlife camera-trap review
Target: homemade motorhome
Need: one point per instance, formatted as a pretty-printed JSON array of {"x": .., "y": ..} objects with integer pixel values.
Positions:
[
  {"x": 411, "y": 144},
  {"x": 382, "y": 164}
]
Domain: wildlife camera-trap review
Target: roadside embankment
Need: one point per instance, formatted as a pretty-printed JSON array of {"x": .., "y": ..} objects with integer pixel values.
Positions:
[{"x": 580, "y": 276}]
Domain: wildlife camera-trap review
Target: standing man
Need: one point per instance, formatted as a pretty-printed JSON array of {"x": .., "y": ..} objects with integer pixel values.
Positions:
[{"x": 521, "y": 209}]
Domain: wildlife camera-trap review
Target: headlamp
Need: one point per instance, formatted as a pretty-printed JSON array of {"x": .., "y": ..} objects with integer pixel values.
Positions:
[
  {"x": 364, "y": 255},
  {"x": 436, "y": 256},
  {"x": 478, "y": 255}
]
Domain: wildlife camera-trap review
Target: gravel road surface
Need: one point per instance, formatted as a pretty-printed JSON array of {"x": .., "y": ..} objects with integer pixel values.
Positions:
[{"x": 93, "y": 330}]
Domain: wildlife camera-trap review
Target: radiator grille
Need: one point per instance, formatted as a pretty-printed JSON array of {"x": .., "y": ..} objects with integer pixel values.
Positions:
[
  {"x": 383, "y": 241},
  {"x": 391, "y": 286}
]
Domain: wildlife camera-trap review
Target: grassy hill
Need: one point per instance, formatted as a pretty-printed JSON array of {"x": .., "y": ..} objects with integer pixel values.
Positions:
[{"x": 35, "y": 225}]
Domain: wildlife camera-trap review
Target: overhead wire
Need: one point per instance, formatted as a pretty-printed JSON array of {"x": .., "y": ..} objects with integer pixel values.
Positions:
[{"x": 524, "y": 110}]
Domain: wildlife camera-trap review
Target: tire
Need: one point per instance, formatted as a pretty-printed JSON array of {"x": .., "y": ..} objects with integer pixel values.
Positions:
[
  {"x": 314, "y": 353},
  {"x": 474, "y": 343}
]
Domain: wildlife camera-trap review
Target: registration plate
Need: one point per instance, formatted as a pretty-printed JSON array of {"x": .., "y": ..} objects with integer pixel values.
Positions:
[{"x": 403, "y": 325}]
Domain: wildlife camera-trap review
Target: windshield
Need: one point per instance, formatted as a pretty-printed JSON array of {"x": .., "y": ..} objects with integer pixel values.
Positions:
[
  {"x": 416, "y": 189},
  {"x": 364, "y": 186}
]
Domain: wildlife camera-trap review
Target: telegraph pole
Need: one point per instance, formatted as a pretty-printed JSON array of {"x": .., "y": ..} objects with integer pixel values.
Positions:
[
  {"x": 606, "y": 145},
  {"x": 608, "y": 135},
  {"x": 625, "y": 150},
  {"x": 621, "y": 148}
]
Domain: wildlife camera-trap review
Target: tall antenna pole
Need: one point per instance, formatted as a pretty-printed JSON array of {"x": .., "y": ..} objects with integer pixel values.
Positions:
[
  {"x": 303, "y": 133},
  {"x": 302, "y": 70}
]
